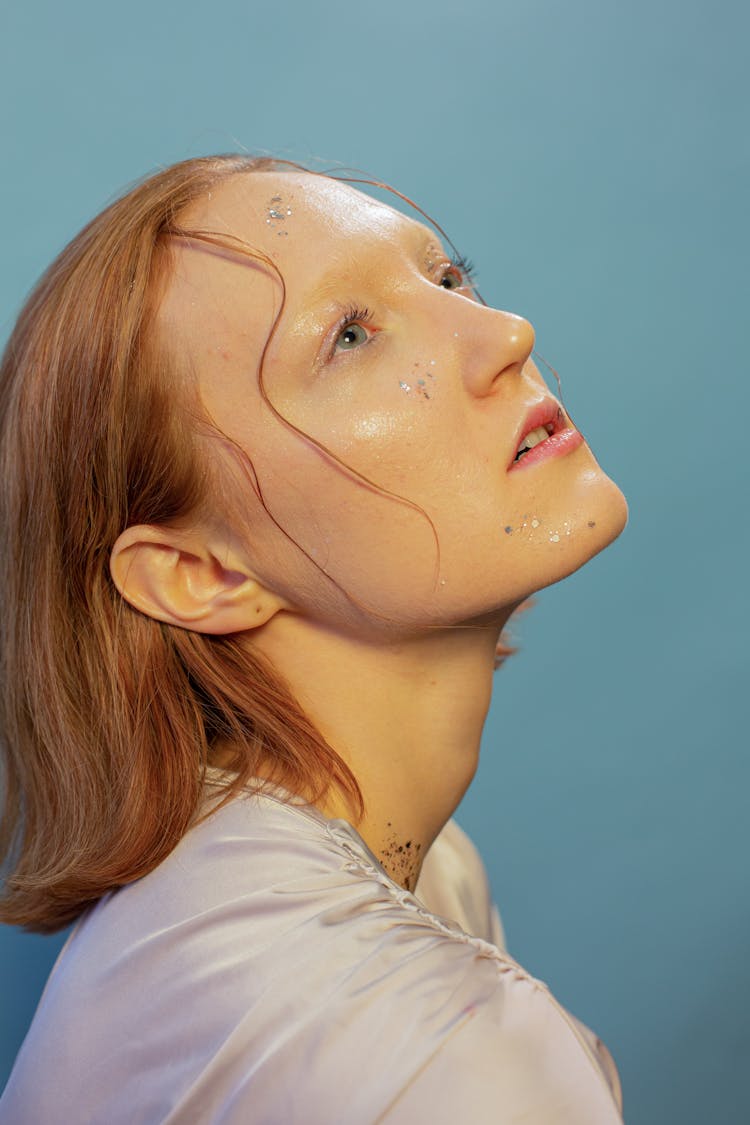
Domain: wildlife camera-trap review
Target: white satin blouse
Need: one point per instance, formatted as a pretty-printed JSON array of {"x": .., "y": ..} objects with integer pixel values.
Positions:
[{"x": 269, "y": 972}]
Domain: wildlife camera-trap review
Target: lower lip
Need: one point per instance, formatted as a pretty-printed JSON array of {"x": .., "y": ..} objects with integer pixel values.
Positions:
[{"x": 556, "y": 445}]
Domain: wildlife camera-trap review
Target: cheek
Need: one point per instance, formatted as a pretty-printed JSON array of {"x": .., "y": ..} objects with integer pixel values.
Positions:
[
  {"x": 387, "y": 429},
  {"x": 426, "y": 539},
  {"x": 419, "y": 381},
  {"x": 392, "y": 442},
  {"x": 407, "y": 511},
  {"x": 310, "y": 524}
]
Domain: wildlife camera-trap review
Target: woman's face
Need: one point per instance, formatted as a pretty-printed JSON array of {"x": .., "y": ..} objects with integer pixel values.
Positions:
[{"x": 384, "y": 356}]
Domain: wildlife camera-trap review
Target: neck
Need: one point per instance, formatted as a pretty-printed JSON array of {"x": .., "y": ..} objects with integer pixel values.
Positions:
[{"x": 406, "y": 718}]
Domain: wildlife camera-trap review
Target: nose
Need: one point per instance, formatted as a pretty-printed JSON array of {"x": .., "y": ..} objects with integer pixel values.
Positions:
[{"x": 492, "y": 344}]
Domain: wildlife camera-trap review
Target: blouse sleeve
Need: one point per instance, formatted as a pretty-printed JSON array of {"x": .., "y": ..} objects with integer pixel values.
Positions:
[
  {"x": 453, "y": 883},
  {"x": 519, "y": 1060}
]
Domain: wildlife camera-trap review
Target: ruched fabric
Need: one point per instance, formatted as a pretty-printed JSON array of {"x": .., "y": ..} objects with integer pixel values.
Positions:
[{"x": 269, "y": 972}]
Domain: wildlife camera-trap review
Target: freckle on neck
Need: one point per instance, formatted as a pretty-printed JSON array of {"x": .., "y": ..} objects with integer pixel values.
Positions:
[{"x": 402, "y": 859}]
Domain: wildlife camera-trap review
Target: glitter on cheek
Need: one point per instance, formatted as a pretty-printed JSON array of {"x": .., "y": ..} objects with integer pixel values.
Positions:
[
  {"x": 535, "y": 523},
  {"x": 417, "y": 384},
  {"x": 508, "y": 530},
  {"x": 554, "y": 538}
]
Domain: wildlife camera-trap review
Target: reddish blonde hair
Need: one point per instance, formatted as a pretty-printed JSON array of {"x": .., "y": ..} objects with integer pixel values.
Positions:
[{"x": 108, "y": 717}]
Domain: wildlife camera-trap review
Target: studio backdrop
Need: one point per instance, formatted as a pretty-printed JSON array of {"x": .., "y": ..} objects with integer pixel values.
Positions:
[{"x": 592, "y": 159}]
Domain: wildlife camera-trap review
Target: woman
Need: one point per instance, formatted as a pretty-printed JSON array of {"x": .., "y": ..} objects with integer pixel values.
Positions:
[{"x": 273, "y": 482}]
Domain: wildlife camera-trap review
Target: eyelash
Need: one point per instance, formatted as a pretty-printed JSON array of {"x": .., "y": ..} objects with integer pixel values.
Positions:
[
  {"x": 466, "y": 268},
  {"x": 354, "y": 315}
]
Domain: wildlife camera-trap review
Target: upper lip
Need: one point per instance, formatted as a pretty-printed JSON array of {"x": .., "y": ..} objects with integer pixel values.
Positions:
[{"x": 547, "y": 413}]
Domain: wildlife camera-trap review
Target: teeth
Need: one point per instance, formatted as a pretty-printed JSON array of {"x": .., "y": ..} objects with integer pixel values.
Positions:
[{"x": 533, "y": 438}]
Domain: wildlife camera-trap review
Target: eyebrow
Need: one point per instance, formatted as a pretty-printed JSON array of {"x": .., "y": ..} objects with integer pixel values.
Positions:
[
  {"x": 432, "y": 251},
  {"x": 426, "y": 250}
]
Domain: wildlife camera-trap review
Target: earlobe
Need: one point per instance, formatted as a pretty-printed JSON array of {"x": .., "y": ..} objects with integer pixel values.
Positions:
[{"x": 171, "y": 576}]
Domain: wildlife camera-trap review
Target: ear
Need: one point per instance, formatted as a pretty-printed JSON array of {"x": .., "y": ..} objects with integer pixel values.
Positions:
[{"x": 178, "y": 577}]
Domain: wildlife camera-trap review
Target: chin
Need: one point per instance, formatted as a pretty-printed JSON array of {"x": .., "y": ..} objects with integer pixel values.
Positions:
[
  {"x": 611, "y": 516},
  {"x": 597, "y": 523}
]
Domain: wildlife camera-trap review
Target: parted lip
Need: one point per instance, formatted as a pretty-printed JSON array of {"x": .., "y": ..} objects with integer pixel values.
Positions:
[{"x": 547, "y": 413}]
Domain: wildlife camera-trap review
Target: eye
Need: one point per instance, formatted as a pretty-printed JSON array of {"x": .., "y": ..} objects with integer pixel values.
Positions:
[
  {"x": 351, "y": 336},
  {"x": 459, "y": 274},
  {"x": 452, "y": 279},
  {"x": 351, "y": 332}
]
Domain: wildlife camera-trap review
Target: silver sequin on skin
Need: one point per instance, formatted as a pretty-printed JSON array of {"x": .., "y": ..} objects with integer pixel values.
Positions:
[
  {"x": 418, "y": 385},
  {"x": 277, "y": 215},
  {"x": 555, "y": 537},
  {"x": 532, "y": 522}
]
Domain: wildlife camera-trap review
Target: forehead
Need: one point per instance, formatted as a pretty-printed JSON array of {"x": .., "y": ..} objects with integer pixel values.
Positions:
[
  {"x": 298, "y": 218},
  {"x": 323, "y": 237}
]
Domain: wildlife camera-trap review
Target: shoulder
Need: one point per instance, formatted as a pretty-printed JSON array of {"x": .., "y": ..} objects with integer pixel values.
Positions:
[
  {"x": 266, "y": 936},
  {"x": 453, "y": 882},
  {"x": 270, "y": 970}
]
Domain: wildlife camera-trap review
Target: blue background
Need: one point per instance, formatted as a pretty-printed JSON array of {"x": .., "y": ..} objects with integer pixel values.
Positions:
[{"x": 592, "y": 157}]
